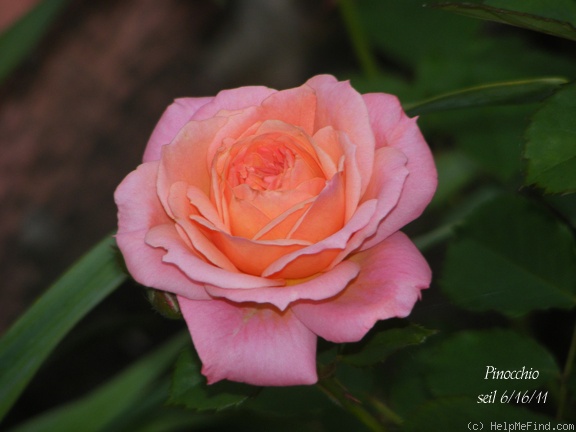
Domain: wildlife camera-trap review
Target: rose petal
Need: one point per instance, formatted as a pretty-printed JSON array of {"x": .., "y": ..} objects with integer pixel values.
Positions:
[
  {"x": 251, "y": 256},
  {"x": 205, "y": 207},
  {"x": 326, "y": 214},
  {"x": 389, "y": 176},
  {"x": 328, "y": 147},
  {"x": 256, "y": 345},
  {"x": 393, "y": 128},
  {"x": 281, "y": 225},
  {"x": 138, "y": 204},
  {"x": 295, "y": 106},
  {"x": 185, "y": 159},
  {"x": 182, "y": 211},
  {"x": 322, "y": 286},
  {"x": 233, "y": 100},
  {"x": 247, "y": 218},
  {"x": 391, "y": 277},
  {"x": 328, "y": 150},
  {"x": 138, "y": 210},
  {"x": 317, "y": 257},
  {"x": 344, "y": 109},
  {"x": 172, "y": 120},
  {"x": 166, "y": 237}
]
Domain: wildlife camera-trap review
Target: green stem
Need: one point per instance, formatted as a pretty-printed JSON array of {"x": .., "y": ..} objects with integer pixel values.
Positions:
[
  {"x": 566, "y": 376},
  {"x": 358, "y": 38},
  {"x": 340, "y": 395},
  {"x": 385, "y": 411}
]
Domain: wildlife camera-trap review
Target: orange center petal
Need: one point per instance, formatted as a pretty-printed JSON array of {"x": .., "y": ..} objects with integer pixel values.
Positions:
[{"x": 265, "y": 176}]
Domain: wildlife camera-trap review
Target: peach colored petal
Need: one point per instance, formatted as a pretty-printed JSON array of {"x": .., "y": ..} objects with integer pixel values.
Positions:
[
  {"x": 326, "y": 214},
  {"x": 204, "y": 207},
  {"x": 138, "y": 210},
  {"x": 185, "y": 159},
  {"x": 354, "y": 185},
  {"x": 386, "y": 187},
  {"x": 342, "y": 152},
  {"x": 304, "y": 265},
  {"x": 293, "y": 137},
  {"x": 295, "y": 106},
  {"x": 393, "y": 128},
  {"x": 246, "y": 219},
  {"x": 391, "y": 277},
  {"x": 319, "y": 287},
  {"x": 182, "y": 211},
  {"x": 233, "y": 100},
  {"x": 313, "y": 258},
  {"x": 177, "y": 253},
  {"x": 172, "y": 120},
  {"x": 329, "y": 150},
  {"x": 253, "y": 344},
  {"x": 344, "y": 109},
  {"x": 273, "y": 203},
  {"x": 281, "y": 225},
  {"x": 252, "y": 256}
]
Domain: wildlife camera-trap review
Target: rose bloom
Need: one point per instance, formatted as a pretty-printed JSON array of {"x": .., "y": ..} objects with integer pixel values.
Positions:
[{"x": 274, "y": 217}]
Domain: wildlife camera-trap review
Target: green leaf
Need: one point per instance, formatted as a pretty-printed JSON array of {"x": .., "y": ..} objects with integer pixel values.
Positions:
[
  {"x": 462, "y": 414},
  {"x": 563, "y": 10},
  {"x": 387, "y": 342},
  {"x": 466, "y": 363},
  {"x": 557, "y": 26},
  {"x": 551, "y": 147},
  {"x": 31, "y": 339},
  {"x": 504, "y": 93},
  {"x": 190, "y": 390},
  {"x": 98, "y": 410},
  {"x": 501, "y": 259},
  {"x": 22, "y": 37}
]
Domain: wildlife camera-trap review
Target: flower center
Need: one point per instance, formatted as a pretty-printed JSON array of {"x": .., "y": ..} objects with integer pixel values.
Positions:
[{"x": 262, "y": 166}]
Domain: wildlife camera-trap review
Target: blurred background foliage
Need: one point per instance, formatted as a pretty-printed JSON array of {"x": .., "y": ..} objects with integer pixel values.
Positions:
[{"x": 492, "y": 83}]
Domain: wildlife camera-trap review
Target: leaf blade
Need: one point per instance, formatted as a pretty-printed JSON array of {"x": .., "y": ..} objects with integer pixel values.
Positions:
[
  {"x": 31, "y": 339},
  {"x": 551, "y": 26},
  {"x": 387, "y": 342},
  {"x": 112, "y": 399},
  {"x": 500, "y": 260},
  {"x": 22, "y": 37},
  {"x": 550, "y": 151},
  {"x": 502, "y": 93}
]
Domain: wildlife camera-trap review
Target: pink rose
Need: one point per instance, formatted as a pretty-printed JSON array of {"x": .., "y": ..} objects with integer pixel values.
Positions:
[{"x": 274, "y": 217}]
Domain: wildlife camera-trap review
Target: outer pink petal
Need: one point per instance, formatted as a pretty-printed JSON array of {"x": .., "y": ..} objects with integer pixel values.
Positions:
[
  {"x": 320, "y": 287},
  {"x": 389, "y": 283},
  {"x": 138, "y": 210},
  {"x": 255, "y": 345},
  {"x": 343, "y": 108},
  {"x": 233, "y": 100},
  {"x": 393, "y": 128},
  {"x": 166, "y": 237},
  {"x": 173, "y": 119}
]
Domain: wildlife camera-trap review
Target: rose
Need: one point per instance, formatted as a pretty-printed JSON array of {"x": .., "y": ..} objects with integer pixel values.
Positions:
[{"x": 274, "y": 217}]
